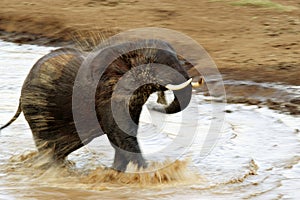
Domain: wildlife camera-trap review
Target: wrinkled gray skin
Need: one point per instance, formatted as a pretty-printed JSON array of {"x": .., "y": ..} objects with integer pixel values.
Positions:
[{"x": 46, "y": 98}]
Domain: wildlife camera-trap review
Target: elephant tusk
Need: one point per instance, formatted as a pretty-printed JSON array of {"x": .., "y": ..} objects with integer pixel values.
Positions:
[
  {"x": 180, "y": 86},
  {"x": 198, "y": 83}
]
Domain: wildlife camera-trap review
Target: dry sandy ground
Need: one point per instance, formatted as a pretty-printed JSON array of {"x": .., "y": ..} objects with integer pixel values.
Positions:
[{"x": 246, "y": 42}]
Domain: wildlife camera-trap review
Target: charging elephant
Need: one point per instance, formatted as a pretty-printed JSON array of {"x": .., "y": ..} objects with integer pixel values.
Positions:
[{"x": 46, "y": 96}]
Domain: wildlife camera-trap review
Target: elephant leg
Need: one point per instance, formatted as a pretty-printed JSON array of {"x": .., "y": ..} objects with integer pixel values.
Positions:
[
  {"x": 52, "y": 142},
  {"x": 126, "y": 151},
  {"x": 57, "y": 149},
  {"x": 120, "y": 161}
]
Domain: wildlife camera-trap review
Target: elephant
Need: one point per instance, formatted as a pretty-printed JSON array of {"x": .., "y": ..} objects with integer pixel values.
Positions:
[{"x": 46, "y": 97}]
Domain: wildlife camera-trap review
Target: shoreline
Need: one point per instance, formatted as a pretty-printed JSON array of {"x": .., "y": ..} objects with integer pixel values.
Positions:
[
  {"x": 235, "y": 94},
  {"x": 261, "y": 45}
]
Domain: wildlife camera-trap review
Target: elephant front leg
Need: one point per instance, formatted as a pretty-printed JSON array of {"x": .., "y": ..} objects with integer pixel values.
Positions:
[
  {"x": 127, "y": 150},
  {"x": 120, "y": 161}
]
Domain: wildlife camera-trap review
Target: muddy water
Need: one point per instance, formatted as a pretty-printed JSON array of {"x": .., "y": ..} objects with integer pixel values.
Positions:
[{"x": 256, "y": 156}]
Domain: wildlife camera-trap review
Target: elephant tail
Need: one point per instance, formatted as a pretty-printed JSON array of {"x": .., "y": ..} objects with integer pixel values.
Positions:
[{"x": 14, "y": 117}]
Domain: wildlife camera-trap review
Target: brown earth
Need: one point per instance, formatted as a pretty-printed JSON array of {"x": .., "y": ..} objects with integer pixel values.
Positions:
[{"x": 246, "y": 42}]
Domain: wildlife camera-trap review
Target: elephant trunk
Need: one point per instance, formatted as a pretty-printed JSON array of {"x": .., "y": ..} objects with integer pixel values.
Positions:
[{"x": 181, "y": 100}]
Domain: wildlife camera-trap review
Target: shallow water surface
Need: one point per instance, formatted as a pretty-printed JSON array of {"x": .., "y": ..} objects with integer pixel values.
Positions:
[{"x": 256, "y": 156}]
